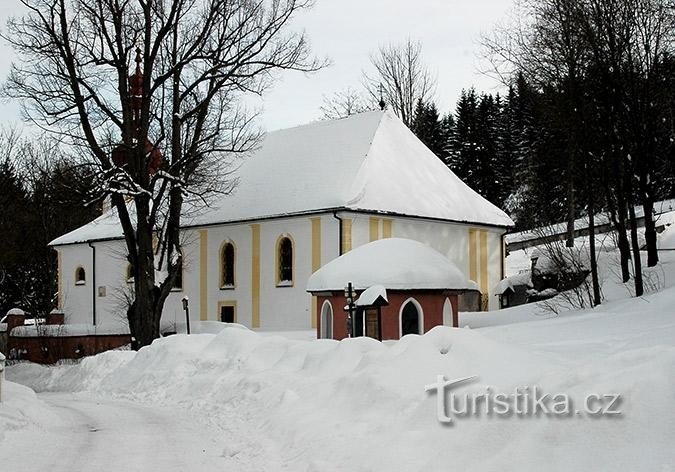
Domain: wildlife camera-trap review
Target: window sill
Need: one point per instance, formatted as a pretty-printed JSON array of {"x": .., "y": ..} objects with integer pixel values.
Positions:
[
  {"x": 177, "y": 289},
  {"x": 227, "y": 287},
  {"x": 81, "y": 283},
  {"x": 285, "y": 283}
]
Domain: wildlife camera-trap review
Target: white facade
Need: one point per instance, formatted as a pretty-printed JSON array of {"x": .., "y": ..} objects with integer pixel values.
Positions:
[{"x": 280, "y": 307}]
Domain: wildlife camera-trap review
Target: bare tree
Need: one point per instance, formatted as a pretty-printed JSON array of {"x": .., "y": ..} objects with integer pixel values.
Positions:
[
  {"x": 165, "y": 136},
  {"x": 401, "y": 78},
  {"x": 344, "y": 103}
]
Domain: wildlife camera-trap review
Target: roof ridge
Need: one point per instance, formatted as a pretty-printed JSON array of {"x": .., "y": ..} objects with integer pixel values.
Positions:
[{"x": 356, "y": 196}]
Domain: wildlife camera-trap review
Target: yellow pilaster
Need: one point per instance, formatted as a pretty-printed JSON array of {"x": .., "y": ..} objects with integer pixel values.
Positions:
[
  {"x": 374, "y": 229},
  {"x": 387, "y": 228},
  {"x": 346, "y": 235},
  {"x": 316, "y": 258},
  {"x": 203, "y": 275},
  {"x": 483, "y": 262},
  {"x": 255, "y": 276}
]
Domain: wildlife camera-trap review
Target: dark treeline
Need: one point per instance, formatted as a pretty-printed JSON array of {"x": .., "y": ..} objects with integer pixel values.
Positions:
[
  {"x": 511, "y": 149},
  {"x": 41, "y": 199},
  {"x": 587, "y": 124}
]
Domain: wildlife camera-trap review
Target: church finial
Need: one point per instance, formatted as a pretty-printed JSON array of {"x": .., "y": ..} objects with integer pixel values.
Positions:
[
  {"x": 138, "y": 60},
  {"x": 136, "y": 91},
  {"x": 382, "y": 104}
]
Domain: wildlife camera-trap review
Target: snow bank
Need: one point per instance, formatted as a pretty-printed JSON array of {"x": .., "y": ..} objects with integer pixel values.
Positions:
[
  {"x": 85, "y": 375},
  {"x": 360, "y": 405},
  {"x": 21, "y": 409},
  {"x": 666, "y": 240}
]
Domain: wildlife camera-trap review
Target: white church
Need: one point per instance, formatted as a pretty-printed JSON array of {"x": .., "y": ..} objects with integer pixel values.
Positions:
[{"x": 310, "y": 194}]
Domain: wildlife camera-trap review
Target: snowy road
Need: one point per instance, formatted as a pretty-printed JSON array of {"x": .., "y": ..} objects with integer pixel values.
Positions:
[{"x": 114, "y": 435}]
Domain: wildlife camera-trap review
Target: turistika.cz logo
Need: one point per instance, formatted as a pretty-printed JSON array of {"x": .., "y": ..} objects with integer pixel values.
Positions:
[{"x": 526, "y": 401}]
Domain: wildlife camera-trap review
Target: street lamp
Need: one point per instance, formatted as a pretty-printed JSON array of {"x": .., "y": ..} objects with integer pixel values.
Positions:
[{"x": 186, "y": 307}]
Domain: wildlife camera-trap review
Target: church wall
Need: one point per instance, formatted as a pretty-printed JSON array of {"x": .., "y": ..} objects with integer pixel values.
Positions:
[
  {"x": 111, "y": 285},
  {"x": 451, "y": 239},
  {"x": 240, "y": 295},
  {"x": 75, "y": 299},
  {"x": 280, "y": 308}
]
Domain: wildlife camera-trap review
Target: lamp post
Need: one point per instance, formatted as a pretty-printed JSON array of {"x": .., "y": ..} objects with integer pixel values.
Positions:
[
  {"x": 186, "y": 307},
  {"x": 349, "y": 295}
]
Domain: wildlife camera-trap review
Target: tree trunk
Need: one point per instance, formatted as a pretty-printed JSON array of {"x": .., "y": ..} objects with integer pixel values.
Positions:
[
  {"x": 591, "y": 238},
  {"x": 570, "y": 207},
  {"x": 618, "y": 220},
  {"x": 637, "y": 262},
  {"x": 650, "y": 225}
]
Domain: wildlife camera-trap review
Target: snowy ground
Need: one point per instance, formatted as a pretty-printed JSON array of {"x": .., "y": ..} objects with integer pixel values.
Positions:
[
  {"x": 86, "y": 432},
  {"x": 244, "y": 401}
]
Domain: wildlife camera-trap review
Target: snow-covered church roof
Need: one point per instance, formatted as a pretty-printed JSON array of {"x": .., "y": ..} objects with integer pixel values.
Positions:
[
  {"x": 393, "y": 263},
  {"x": 367, "y": 162}
]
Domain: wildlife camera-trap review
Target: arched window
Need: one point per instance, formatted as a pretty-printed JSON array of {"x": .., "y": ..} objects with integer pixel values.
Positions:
[
  {"x": 327, "y": 320},
  {"x": 285, "y": 261},
  {"x": 227, "y": 265},
  {"x": 80, "y": 276},
  {"x": 411, "y": 318}
]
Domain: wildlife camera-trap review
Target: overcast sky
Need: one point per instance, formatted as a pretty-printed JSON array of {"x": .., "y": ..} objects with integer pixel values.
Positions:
[{"x": 347, "y": 31}]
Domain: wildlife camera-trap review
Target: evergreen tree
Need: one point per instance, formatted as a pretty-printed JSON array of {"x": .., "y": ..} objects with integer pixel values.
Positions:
[
  {"x": 429, "y": 128},
  {"x": 463, "y": 156}
]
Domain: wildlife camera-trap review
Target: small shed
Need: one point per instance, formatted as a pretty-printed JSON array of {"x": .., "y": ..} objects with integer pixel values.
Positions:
[{"x": 412, "y": 287}]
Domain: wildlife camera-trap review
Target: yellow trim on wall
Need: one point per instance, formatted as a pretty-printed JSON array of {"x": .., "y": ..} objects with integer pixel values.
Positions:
[
  {"x": 374, "y": 229},
  {"x": 473, "y": 269},
  {"x": 346, "y": 235},
  {"x": 316, "y": 244},
  {"x": 232, "y": 303},
  {"x": 277, "y": 258},
  {"x": 59, "y": 279},
  {"x": 316, "y": 259},
  {"x": 255, "y": 276},
  {"x": 387, "y": 228},
  {"x": 221, "y": 275},
  {"x": 203, "y": 274},
  {"x": 483, "y": 261}
]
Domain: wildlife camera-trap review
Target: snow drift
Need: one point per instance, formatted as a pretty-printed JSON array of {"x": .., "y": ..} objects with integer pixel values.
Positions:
[{"x": 361, "y": 405}]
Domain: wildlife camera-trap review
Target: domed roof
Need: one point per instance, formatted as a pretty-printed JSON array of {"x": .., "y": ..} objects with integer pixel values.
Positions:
[{"x": 394, "y": 263}]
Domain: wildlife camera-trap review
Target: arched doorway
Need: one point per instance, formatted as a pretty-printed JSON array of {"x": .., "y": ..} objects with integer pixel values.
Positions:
[
  {"x": 411, "y": 318},
  {"x": 327, "y": 320}
]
